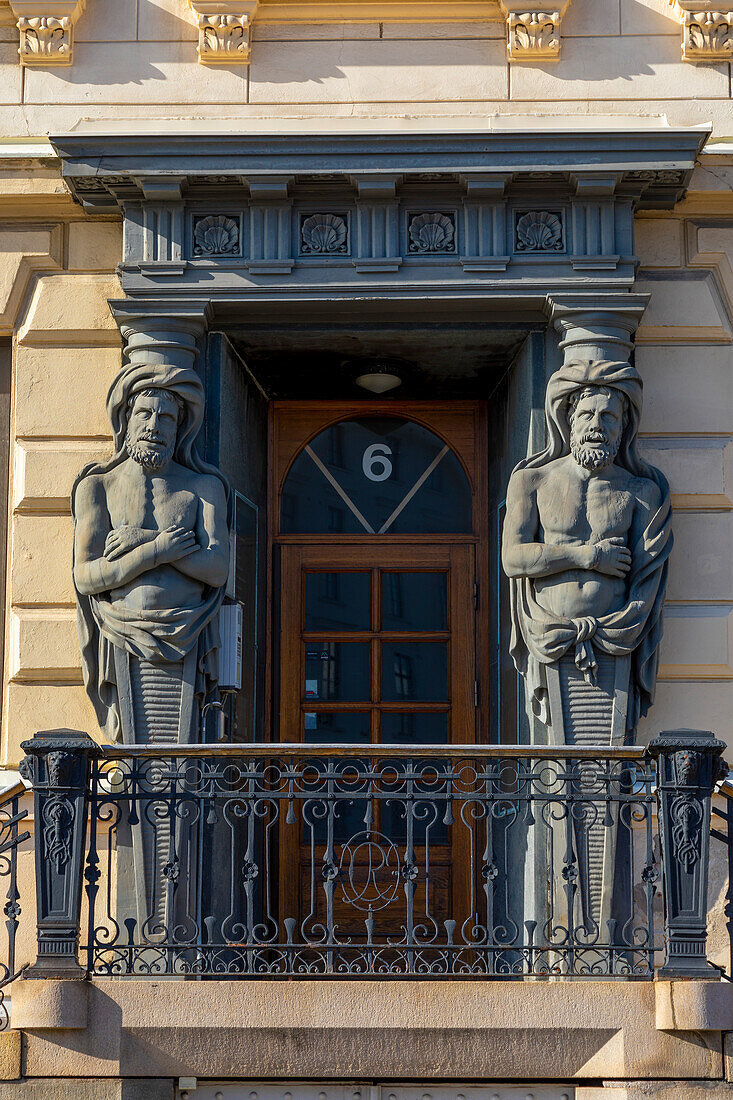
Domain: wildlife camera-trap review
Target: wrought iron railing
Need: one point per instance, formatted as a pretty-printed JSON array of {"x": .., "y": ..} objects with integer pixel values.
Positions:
[
  {"x": 383, "y": 861},
  {"x": 722, "y": 817},
  {"x": 326, "y": 860},
  {"x": 10, "y": 839}
]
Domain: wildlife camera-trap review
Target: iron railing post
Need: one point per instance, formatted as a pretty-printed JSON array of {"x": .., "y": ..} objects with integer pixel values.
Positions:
[
  {"x": 688, "y": 767},
  {"x": 57, "y": 765}
]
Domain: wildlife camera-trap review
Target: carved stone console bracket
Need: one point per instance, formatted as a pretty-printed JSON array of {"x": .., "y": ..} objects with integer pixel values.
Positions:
[
  {"x": 707, "y": 30},
  {"x": 224, "y": 29},
  {"x": 46, "y": 30},
  {"x": 533, "y": 30}
]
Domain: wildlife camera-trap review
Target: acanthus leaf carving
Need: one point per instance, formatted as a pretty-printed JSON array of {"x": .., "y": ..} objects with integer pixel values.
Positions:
[
  {"x": 46, "y": 30},
  {"x": 707, "y": 31},
  {"x": 224, "y": 30}
]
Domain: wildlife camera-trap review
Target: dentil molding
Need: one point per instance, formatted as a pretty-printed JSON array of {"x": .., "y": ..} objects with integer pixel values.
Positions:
[
  {"x": 46, "y": 30},
  {"x": 707, "y": 30}
]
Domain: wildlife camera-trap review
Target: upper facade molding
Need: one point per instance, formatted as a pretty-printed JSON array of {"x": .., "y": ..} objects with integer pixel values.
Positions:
[
  {"x": 224, "y": 26},
  {"x": 236, "y": 216}
]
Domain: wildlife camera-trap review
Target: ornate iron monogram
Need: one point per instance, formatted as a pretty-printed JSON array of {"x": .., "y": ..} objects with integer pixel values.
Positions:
[
  {"x": 216, "y": 235},
  {"x": 323, "y": 235},
  {"x": 432, "y": 232},
  {"x": 58, "y": 821},
  {"x": 539, "y": 231},
  {"x": 686, "y": 814}
]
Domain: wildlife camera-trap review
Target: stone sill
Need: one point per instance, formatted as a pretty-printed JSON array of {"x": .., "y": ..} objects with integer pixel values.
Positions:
[{"x": 577, "y": 1029}]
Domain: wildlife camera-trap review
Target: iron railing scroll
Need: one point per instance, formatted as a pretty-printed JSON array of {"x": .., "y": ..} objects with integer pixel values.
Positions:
[
  {"x": 11, "y": 838},
  {"x": 213, "y": 861},
  {"x": 722, "y": 816},
  {"x": 305, "y": 860}
]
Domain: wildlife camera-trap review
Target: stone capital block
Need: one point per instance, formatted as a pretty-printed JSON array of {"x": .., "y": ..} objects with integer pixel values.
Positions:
[
  {"x": 224, "y": 30},
  {"x": 707, "y": 30},
  {"x": 533, "y": 30},
  {"x": 46, "y": 30}
]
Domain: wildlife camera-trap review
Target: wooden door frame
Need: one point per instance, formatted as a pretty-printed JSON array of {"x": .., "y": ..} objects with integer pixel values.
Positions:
[{"x": 463, "y": 425}]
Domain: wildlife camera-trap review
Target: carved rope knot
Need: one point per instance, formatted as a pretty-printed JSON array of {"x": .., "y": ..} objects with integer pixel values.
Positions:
[{"x": 585, "y": 658}]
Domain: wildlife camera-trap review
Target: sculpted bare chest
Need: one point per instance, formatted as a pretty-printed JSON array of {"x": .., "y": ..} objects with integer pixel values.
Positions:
[
  {"x": 583, "y": 510},
  {"x": 152, "y": 507}
]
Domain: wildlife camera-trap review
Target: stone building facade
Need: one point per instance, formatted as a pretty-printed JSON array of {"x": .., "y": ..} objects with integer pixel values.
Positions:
[{"x": 288, "y": 198}]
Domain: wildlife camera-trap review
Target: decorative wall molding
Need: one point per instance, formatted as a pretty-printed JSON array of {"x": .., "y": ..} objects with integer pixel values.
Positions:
[
  {"x": 224, "y": 30},
  {"x": 46, "y": 30},
  {"x": 707, "y": 30},
  {"x": 216, "y": 235},
  {"x": 323, "y": 235},
  {"x": 533, "y": 30}
]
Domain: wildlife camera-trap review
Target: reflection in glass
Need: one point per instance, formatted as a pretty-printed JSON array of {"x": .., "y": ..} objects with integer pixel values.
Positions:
[
  {"x": 337, "y": 601},
  {"x": 336, "y": 672},
  {"x": 335, "y": 728},
  {"x": 415, "y": 672},
  {"x": 425, "y": 489},
  {"x": 414, "y": 729},
  {"x": 414, "y": 601}
]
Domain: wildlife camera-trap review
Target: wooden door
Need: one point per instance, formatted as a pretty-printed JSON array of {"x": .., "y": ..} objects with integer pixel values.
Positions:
[
  {"x": 377, "y": 648},
  {"x": 379, "y": 551}
]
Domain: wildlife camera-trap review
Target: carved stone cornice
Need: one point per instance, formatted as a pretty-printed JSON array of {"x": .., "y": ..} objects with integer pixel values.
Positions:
[
  {"x": 533, "y": 29},
  {"x": 46, "y": 30},
  {"x": 707, "y": 30},
  {"x": 224, "y": 29}
]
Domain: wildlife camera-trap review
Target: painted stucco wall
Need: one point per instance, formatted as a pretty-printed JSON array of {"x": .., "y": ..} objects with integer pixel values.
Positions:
[{"x": 137, "y": 58}]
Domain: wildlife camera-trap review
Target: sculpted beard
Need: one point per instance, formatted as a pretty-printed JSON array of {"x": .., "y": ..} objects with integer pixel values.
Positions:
[
  {"x": 592, "y": 450},
  {"x": 150, "y": 458}
]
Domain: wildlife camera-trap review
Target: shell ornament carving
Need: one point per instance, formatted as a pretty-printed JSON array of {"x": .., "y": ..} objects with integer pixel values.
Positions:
[
  {"x": 323, "y": 235},
  {"x": 216, "y": 235},
  {"x": 432, "y": 233},
  {"x": 539, "y": 231}
]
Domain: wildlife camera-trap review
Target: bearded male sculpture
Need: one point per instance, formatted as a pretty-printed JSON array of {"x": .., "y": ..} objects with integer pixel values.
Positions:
[
  {"x": 586, "y": 540},
  {"x": 151, "y": 557}
]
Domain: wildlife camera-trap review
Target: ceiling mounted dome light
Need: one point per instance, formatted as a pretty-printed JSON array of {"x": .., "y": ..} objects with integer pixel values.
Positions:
[{"x": 381, "y": 378}]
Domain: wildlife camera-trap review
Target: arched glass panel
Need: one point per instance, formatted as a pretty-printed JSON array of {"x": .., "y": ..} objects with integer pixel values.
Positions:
[{"x": 376, "y": 475}]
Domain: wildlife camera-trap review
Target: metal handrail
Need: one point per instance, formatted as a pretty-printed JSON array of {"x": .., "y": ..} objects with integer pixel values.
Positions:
[{"x": 455, "y": 752}]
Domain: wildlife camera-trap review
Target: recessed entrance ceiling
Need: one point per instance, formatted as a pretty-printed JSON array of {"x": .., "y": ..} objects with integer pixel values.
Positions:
[{"x": 433, "y": 360}]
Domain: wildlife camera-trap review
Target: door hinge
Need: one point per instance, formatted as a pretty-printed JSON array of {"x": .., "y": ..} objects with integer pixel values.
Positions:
[
  {"x": 475, "y": 693},
  {"x": 475, "y": 595}
]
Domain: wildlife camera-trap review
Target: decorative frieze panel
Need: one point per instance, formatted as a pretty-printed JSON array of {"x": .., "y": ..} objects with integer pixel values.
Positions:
[
  {"x": 46, "y": 30},
  {"x": 539, "y": 231},
  {"x": 224, "y": 30},
  {"x": 323, "y": 235},
  {"x": 216, "y": 235},
  {"x": 707, "y": 30},
  {"x": 432, "y": 233}
]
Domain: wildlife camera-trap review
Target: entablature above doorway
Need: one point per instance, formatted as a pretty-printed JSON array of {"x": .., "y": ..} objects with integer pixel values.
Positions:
[{"x": 367, "y": 210}]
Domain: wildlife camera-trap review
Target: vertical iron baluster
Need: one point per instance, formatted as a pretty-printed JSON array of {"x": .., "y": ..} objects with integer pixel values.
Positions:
[
  {"x": 570, "y": 865},
  {"x": 329, "y": 864},
  {"x": 92, "y": 873},
  {"x": 408, "y": 867},
  {"x": 250, "y": 868}
]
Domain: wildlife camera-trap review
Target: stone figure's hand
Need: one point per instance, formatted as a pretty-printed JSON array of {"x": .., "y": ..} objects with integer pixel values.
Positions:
[
  {"x": 612, "y": 557},
  {"x": 174, "y": 543},
  {"x": 123, "y": 539}
]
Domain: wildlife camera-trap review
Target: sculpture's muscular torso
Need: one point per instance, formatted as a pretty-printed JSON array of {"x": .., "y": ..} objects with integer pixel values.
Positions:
[
  {"x": 572, "y": 524},
  {"x": 150, "y": 532}
]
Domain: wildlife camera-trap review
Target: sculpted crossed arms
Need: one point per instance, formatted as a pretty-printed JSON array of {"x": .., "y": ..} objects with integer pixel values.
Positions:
[
  {"x": 524, "y": 555},
  {"x": 107, "y": 557}
]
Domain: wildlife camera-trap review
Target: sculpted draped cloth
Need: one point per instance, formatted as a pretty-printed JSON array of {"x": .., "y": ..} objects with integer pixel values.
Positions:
[
  {"x": 161, "y": 635},
  {"x": 540, "y": 637}
]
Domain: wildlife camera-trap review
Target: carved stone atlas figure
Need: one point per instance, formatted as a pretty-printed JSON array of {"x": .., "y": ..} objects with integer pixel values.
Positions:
[
  {"x": 151, "y": 557},
  {"x": 586, "y": 540}
]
